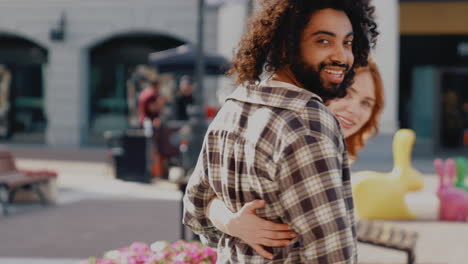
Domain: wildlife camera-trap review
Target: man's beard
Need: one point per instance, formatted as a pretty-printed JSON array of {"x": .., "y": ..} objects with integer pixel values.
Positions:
[{"x": 310, "y": 79}]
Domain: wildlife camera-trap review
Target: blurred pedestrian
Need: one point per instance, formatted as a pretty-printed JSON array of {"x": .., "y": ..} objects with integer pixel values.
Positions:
[
  {"x": 151, "y": 103},
  {"x": 184, "y": 98},
  {"x": 5, "y": 82},
  {"x": 135, "y": 84},
  {"x": 452, "y": 119}
]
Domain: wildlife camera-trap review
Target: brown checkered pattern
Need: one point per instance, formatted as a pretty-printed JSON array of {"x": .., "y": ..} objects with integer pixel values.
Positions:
[{"x": 279, "y": 143}]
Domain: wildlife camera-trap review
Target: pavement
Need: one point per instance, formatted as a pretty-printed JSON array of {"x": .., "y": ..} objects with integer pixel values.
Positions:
[
  {"x": 87, "y": 176},
  {"x": 96, "y": 205}
]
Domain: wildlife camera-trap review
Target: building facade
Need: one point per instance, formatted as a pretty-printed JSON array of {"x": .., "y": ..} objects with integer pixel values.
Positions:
[
  {"x": 68, "y": 88},
  {"x": 68, "y": 60},
  {"x": 433, "y": 83}
]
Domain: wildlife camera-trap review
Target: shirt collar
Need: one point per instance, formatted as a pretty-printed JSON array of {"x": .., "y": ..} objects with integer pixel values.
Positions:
[{"x": 276, "y": 94}]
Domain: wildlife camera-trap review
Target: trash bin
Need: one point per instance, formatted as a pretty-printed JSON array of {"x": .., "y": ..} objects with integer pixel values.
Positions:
[
  {"x": 140, "y": 156},
  {"x": 129, "y": 151}
]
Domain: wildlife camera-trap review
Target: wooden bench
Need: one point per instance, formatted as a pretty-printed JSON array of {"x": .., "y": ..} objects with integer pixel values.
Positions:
[
  {"x": 388, "y": 236},
  {"x": 12, "y": 180}
]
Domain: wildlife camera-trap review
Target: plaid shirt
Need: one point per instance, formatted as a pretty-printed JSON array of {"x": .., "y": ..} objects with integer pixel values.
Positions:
[{"x": 279, "y": 143}]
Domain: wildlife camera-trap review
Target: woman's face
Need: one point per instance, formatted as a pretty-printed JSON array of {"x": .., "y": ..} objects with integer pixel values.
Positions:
[{"x": 354, "y": 110}]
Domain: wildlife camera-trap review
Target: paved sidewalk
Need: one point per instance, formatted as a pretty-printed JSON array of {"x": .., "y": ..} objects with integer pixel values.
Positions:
[
  {"x": 97, "y": 179},
  {"x": 81, "y": 181},
  {"x": 439, "y": 242}
]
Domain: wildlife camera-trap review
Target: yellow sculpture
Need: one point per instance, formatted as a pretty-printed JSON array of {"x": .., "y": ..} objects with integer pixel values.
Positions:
[
  {"x": 403, "y": 143},
  {"x": 380, "y": 195}
]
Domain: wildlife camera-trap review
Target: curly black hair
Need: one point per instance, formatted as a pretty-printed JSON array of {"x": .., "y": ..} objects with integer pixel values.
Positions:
[{"x": 272, "y": 40}]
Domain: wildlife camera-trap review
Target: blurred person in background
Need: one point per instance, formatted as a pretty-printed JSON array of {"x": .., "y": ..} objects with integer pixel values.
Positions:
[
  {"x": 452, "y": 119},
  {"x": 150, "y": 106},
  {"x": 5, "y": 81},
  {"x": 135, "y": 84},
  {"x": 151, "y": 103},
  {"x": 184, "y": 98}
]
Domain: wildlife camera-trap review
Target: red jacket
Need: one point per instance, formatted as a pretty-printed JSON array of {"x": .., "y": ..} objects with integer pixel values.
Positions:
[{"x": 146, "y": 97}]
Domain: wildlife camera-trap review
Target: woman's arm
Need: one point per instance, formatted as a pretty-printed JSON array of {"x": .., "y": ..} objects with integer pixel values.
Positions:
[{"x": 246, "y": 225}]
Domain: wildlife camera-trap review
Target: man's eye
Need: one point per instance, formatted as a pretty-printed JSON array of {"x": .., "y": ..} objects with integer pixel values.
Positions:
[
  {"x": 324, "y": 41},
  {"x": 349, "y": 43}
]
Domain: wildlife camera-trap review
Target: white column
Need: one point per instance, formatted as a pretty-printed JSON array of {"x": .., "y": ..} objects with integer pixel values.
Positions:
[
  {"x": 387, "y": 57},
  {"x": 64, "y": 97},
  {"x": 231, "y": 19},
  {"x": 231, "y": 25}
]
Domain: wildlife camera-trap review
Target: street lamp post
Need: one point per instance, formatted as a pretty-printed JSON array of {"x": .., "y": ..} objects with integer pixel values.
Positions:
[
  {"x": 200, "y": 65},
  {"x": 197, "y": 115}
]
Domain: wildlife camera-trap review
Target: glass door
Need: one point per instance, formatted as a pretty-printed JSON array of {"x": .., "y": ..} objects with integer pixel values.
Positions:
[
  {"x": 439, "y": 109},
  {"x": 25, "y": 121},
  {"x": 453, "y": 118}
]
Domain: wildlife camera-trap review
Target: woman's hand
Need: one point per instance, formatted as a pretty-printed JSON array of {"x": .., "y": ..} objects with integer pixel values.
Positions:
[{"x": 258, "y": 232}]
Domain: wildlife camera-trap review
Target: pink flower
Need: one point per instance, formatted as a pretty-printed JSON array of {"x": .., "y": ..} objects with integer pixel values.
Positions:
[
  {"x": 143, "y": 258},
  {"x": 153, "y": 259},
  {"x": 209, "y": 252},
  {"x": 139, "y": 247},
  {"x": 161, "y": 252}
]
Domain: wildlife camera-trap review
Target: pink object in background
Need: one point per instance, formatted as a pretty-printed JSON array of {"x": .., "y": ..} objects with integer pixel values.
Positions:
[{"x": 453, "y": 201}]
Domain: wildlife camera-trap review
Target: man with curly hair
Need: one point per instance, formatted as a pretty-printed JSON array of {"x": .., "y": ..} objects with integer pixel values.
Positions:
[{"x": 275, "y": 140}]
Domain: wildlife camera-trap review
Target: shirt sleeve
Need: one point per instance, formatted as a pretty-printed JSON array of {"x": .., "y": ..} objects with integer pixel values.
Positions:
[
  {"x": 196, "y": 199},
  {"x": 310, "y": 180}
]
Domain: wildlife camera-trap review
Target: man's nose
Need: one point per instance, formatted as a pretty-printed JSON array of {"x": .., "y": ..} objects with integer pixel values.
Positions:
[{"x": 339, "y": 55}]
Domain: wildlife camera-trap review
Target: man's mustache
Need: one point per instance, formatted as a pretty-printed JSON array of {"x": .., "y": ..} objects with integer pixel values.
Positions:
[{"x": 334, "y": 64}]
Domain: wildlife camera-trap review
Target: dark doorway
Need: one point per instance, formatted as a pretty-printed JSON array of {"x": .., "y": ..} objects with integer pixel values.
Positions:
[{"x": 22, "y": 117}]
